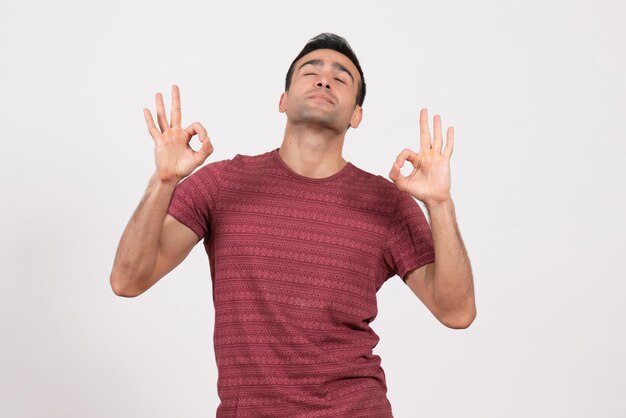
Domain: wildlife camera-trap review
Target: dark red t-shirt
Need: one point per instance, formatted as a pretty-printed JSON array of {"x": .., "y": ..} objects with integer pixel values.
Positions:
[{"x": 295, "y": 266}]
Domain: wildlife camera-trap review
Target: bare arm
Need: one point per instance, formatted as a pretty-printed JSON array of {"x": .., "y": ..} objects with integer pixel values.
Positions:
[
  {"x": 154, "y": 242},
  {"x": 453, "y": 283},
  {"x": 139, "y": 250},
  {"x": 446, "y": 286}
]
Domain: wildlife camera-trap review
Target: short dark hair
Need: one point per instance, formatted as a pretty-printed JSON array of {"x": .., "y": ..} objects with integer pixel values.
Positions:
[{"x": 336, "y": 43}]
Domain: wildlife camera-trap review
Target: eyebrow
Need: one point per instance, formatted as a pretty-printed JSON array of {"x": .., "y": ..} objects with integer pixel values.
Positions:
[{"x": 318, "y": 63}]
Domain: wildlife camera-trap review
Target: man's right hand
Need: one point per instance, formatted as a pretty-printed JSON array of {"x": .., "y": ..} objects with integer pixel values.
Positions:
[{"x": 175, "y": 159}]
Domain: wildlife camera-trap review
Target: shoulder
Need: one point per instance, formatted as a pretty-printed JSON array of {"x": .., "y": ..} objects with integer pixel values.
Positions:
[
  {"x": 236, "y": 161},
  {"x": 210, "y": 175},
  {"x": 377, "y": 184},
  {"x": 211, "y": 170},
  {"x": 386, "y": 196},
  {"x": 252, "y": 161},
  {"x": 226, "y": 170},
  {"x": 225, "y": 165}
]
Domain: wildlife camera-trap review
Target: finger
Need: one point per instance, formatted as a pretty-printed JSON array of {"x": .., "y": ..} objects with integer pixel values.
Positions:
[
  {"x": 447, "y": 151},
  {"x": 438, "y": 138},
  {"x": 424, "y": 131},
  {"x": 410, "y": 155},
  {"x": 396, "y": 176},
  {"x": 196, "y": 128},
  {"x": 206, "y": 149},
  {"x": 152, "y": 129},
  {"x": 395, "y": 172},
  {"x": 176, "y": 113},
  {"x": 161, "y": 113}
]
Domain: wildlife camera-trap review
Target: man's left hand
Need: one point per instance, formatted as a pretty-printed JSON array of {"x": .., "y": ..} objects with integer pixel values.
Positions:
[{"x": 430, "y": 179}]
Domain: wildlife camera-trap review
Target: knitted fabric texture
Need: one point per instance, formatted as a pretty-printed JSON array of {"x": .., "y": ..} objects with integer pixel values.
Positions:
[{"x": 295, "y": 265}]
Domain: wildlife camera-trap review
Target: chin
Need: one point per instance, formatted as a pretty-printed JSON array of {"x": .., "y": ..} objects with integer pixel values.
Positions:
[{"x": 318, "y": 117}]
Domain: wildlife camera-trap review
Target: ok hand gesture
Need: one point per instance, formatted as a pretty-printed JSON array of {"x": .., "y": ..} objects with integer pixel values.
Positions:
[
  {"x": 175, "y": 159},
  {"x": 430, "y": 179}
]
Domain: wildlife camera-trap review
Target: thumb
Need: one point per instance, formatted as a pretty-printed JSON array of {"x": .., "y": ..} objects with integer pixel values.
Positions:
[
  {"x": 206, "y": 149},
  {"x": 395, "y": 172}
]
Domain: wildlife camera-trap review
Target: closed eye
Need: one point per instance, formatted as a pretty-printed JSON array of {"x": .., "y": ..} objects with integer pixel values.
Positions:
[{"x": 341, "y": 81}]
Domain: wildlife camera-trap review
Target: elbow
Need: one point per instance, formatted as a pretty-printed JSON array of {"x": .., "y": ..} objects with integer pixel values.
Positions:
[
  {"x": 120, "y": 287},
  {"x": 459, "y": 325},
  {"x": 460, "y": 321}
]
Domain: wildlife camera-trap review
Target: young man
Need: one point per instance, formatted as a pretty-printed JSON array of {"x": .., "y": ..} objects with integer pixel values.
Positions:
[{"x": 299, "y": 241}]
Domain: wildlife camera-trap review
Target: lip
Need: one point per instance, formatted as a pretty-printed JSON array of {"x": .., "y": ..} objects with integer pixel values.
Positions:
[{"x": 321, "y": 96}]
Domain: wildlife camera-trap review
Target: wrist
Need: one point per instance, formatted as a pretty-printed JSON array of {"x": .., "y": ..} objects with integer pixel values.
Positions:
[
  {"x": 161, "y": 182},
  {"x": 437, "y": 203},
  {"x": 439, "y": 200}
]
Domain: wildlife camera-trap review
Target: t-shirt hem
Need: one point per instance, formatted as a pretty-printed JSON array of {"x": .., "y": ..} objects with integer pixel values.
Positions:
[
  {"x": 197, "y": 229},
  {"x": 421, "y": 261}
]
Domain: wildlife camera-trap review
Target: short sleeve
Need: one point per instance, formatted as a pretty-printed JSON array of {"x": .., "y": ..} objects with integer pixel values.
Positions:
[
  {"x": 409, "y": 241},
  {"x": 194, "y": 198}
]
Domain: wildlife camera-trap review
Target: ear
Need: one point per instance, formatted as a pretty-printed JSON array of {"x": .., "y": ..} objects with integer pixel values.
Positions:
[
  {"x": 282, "y": 103},
  {"x": 357, "y": 115}
]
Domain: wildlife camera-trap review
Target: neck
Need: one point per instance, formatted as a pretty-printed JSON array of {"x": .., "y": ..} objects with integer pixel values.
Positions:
[{"x": 312, "y": 152}]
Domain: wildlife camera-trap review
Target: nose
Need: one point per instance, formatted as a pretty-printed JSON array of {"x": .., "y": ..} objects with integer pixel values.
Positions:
[
  {"x": 323, "y": 80},
  {"x": 323, "y": 84}
]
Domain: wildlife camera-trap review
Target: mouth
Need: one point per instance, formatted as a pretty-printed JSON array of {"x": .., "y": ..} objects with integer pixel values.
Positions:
[{"x": 321, "y": 97}]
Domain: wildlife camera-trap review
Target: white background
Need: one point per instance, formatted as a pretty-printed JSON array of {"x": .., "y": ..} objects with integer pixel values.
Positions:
[{"x": 537, "y": 96}]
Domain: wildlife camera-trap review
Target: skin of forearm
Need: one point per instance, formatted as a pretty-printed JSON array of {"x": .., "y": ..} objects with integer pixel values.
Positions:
[
  {"x": 137, "y": 251},
  {"x": 453, "y": 285}
]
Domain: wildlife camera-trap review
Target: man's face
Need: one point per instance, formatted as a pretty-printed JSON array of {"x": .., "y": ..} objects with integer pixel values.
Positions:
[{"x": 323, "y": 91}]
